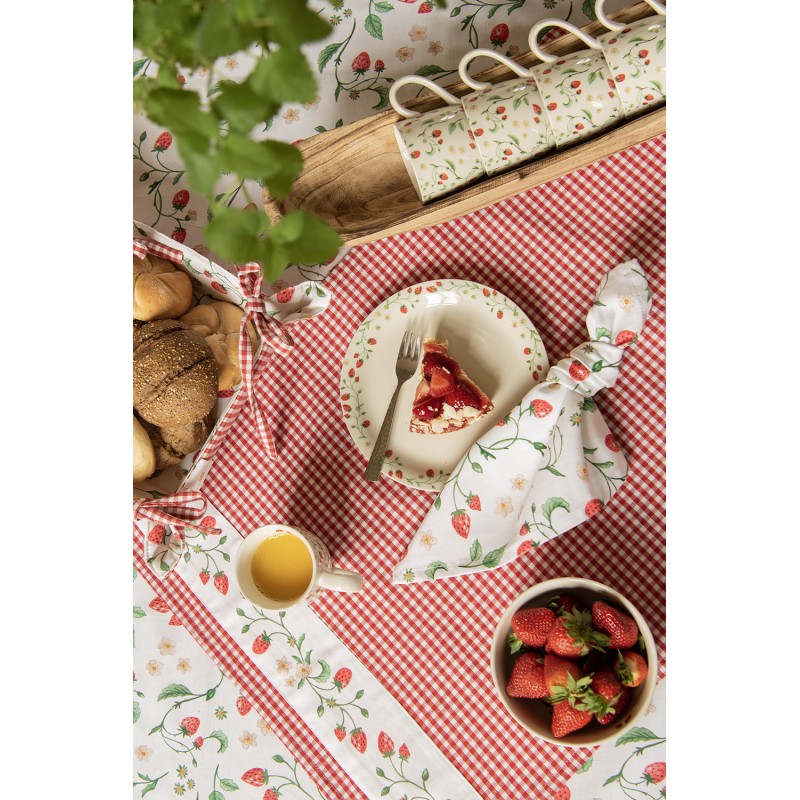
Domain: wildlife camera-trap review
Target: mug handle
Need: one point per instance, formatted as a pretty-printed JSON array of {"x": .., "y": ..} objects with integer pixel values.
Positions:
[
  {"x": 659, "y": 8},
  {"x": 450, "y": 99},
  {"x": 340, "y": 580},
  {"x": 481, "y": 51},
  {"x": 564, "y": 25}
]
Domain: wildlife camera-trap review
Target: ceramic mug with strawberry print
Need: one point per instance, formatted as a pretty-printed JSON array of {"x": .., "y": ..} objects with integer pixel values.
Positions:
[
  {"x": 437, "y": 146},
  {"x": 579, "y": 95},
  {"x": 310, "y": 550},
  {"x": 507, "y": 119}
]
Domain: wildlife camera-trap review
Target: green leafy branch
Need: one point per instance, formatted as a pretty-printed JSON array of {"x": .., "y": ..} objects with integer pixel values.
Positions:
[
  {"x": 214, "y": 133},
  {"x": 636, "y": 789}
]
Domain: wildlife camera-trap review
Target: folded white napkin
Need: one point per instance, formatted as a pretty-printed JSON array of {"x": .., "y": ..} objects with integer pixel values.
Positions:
[{"x": 547, "y": 466}]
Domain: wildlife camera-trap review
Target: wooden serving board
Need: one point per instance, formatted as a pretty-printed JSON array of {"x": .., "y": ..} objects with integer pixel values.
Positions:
[{"x": 354, "y": 178}]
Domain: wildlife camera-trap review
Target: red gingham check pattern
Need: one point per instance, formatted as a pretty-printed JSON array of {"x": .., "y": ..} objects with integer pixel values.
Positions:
[
  {"x": 141, "y": 247},
  {"x": 428, "y": 644}
]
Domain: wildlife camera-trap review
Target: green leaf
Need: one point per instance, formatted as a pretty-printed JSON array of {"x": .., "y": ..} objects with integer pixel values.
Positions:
[
  {"x": 179, "y": 111},
  {"x": 385, "y": 791},
  {"x": 138, "y": 64},
  {"x": 477, "y": 467},
  {"x": 241, "y": 107},
  {"x": 138, "y": 612},
  {"x": 515, "y": 644},
  {"x": 137, "y": 712},
  {"x": 149, "y": 788},
  {"x": 383, "y": 6},
  {"x": 232, "y": 232},
  {"x": 221, "y": 738},
  {"x": 307, "y": 239},
  {"x": 320, "y": 710},
  {"x": 433, "y": 567},
  {"x": 215, "y": 795},
  {"x": 279, "y": 759},
  {"x": 359, "y": 694},
  {"x": 326, "y": 671},
  {"x": 374, "y": 26},
  {"x": 554, "y": 471},
  {"x": 589, "y": 450},
  {"x": 379, "y": 772},
  {"x": 602, "y": 333},
  {"x": 636, "y": 735},
  {"x": 586, "y": 766},
  {"x": 292, "y": 24},
  {"x": 588, "y": 9},
  {"x": 588, "y": 404},
  {"x": 552, "y": 504},
  {"x": 210, "y": 693},
  {"x": 493, "y": 557},
  {"x": 597, "y": 366},
  {"x": 456, "y": 11},
  {"x": 425, "y": 774},
  {"x": 174, "y": 690},
  {"x": 603, "y": 464},
  {"x": 327, "y": 53},
  {"x": 276, "y": 163},
  {"x": 284, "y": 76},
  {"x": 383, "y": 97},
  {"x": 202, "y": 169},
  {"x": 437, "y": 504},
  {"x": 540, "y": 446},
  {"x": 228, "y": 785},
  {"x": 475, "y": 551},
  {"x": 216, "y": 36},
  {"x": 364, "y": 712},
  {"x": 429, "y": 69},
  {"x": 613, "y": 779}
]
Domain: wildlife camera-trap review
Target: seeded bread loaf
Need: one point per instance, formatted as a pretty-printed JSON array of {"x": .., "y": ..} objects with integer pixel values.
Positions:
[
  {"x": 175, "y": 374},
  {"x": 171, "y": 445}
]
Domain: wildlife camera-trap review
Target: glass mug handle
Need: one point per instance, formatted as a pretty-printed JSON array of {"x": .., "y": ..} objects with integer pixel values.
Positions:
[
  {"x": 340, "y": 580},
  {"x": 564, "y": 25},
  {"x": 450, "y": 99},
  {"x": 481, "y": 51},
  {"x": 659, "y": 8}
]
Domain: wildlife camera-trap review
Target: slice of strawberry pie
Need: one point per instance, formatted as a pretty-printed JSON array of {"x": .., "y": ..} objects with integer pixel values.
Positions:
[{"x": 446, "y": 399}]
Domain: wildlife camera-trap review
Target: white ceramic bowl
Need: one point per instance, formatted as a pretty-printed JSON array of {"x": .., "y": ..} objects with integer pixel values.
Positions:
[{"x": 534, "y": 715}]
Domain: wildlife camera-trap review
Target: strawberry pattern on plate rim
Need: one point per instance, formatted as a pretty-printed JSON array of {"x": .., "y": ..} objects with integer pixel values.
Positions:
[{"x": 398, "y": 308}]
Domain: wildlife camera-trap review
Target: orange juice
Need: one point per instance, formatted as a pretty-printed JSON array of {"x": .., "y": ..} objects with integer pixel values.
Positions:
[{"x": 282, "y": 567}]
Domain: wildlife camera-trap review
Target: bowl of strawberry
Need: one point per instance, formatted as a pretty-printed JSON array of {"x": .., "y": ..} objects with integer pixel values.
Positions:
[{"x": 574, "y": 662}]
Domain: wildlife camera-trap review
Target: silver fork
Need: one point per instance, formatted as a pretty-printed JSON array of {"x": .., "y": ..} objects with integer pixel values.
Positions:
[{"x": 406, "y": 366}]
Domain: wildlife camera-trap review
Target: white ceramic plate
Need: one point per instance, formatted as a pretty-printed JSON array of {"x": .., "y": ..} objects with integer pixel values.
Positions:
[{"x": 489, "y": 336}]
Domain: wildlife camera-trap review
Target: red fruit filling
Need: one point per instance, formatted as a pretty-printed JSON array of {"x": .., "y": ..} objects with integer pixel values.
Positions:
[
  {"x": 429, "y": 409},
  {"x": 461, "y": 396},
  {"x": 442, "y": 381},
  {"x": 436, "y": 360}
]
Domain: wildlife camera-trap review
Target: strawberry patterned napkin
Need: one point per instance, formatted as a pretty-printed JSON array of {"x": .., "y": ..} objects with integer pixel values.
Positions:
[{"x": 547, "y": 466}]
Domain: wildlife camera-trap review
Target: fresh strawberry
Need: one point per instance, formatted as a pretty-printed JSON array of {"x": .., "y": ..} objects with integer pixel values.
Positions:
[
  {"x": 285, "y": 295},
  {"x": 572, "y": 635},
  {"x": 255, "y": 776},
  {"x": 221, "y": 582},
  {"x": 342, "y": 678},
  {"x": 261, "y": 644},
  {"x": 385, "y": 744},
  {"x": 623, "y": 701},
  {"x": 541, "y": 408},
  {"x": 530, "y": 627},
  {"x": 568, "y": 719},
  {"x": 243, "y": 705},
  {"x": 605, "y": 684},
  {"x": 157, "y": 604},
  {"x": 404, "y": 752},
  {"x": 442, "y": 382},
  {"x": 557, "y": 673},
  {"x": 631, "y": 668},
  {"x": 617, "y": 624},
  {"x": 358, "y": 739},
  {"x": 189, "y": 726},
  {"x": 461, "y": 396},
  {"x": 578, "y": 371},
  {"x": 340, "y": 732},
  {"x": 474, "y": 502},
  {"x": 205, "y": 575},
  {"x": 460, "y": 522},
  {"x": 527, "y": 677},
  {"x": 655, "y": 773},
  {"x": 565, "y": 602}
]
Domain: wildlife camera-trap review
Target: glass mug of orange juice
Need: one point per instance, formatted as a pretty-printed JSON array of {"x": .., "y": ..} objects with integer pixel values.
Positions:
[{"x": 279, "y": 566}]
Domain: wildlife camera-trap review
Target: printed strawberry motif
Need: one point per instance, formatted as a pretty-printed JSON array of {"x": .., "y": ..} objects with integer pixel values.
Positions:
[
  {"x": 524, "y": 547},
  {"x": 403, "y": 752},
  {"x": 474, "y": 502},
  {"x": 215, "y": 285},
  {"x": 198, "y": 742},
  {"x": 173, "y": 620},
  {"x": 261, "y": 644},
  {"x": 631, "y": 668},
  {"x": 621, "y": 627},
  {"x": 424, "y": 8},
  {"x": 208, "y": 522},
  {"x": 592, "y": 507},
  {"x": 499, "y": 34},
  {"x": 552, "y": 106},
  {"x": 562, "y": 794},
  {"x": 179, "y": 235},
  {"x": 157, "y": 604},
  {"x": 578, "y": 372},
  {"x": 163, "y": 142},
  {"x": 624, "y": 338},
  {"x": 156, "y": 535},
  {"x": 189, "y": 726},
  {"x": 243, "y": 705},
  {"x": 527, "y": 677},
  {"x": 221, "y": 582},
  {"x": 361, "y": 63},
  {"x": 655, "y": 773},
  {"x": 180, "y": 200},
  {"x": 204, "y": 576},
  {"x": 530, "y": 627},
  {"x": 270, "y": 794},
  {"x": 342, "y": 678},
  {"x": 460, "y": 521},
  {"x": 358, "y": 739},
  {"x": 379, "y": 66},
  {"x": 385, "y": 745},
  {"x": 541, "y": 408},
  {"x": 340, "y": 732},
  {"x": 611, "y": 443},
  {"x": 255, "y": 776},
  {"x": 285, "y": 295}
]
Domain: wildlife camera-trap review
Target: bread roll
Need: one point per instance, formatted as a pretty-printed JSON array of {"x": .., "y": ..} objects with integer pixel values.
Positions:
[
  {"x": 175, "y": 374},
  {"x": 219, "y": 323},
  {"x": 160, "y": 289},
  {"x": 171, "y": 445},
  {"x": 144, "y": 456}
]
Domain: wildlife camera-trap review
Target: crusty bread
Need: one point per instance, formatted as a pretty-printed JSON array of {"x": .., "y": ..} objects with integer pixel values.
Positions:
[
  {"x": 160, "y": 289},
  {"x": 175, "y": 374},
  {"x": 172, "y": 444},
  {"x": 144, "y": 457},
  {"x": 219, "y": 323}
]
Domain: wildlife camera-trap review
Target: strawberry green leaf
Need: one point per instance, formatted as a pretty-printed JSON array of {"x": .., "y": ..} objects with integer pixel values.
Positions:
[
  {"x": 137, "y": 712},
  {"x": 636, "y": 735},
  {"x": 475, "y": 551},
  {"x": 279, "y": 759},
  {"x": 228, "y": 785},
  {"x": 493, "y": 557},
  {"x": 215, "y": 795},
  {"x": 515, "y": 644},
  {"x": 586, "y": 766},
  {"x": 374, "y": 26},
  {"x": 614, "y": 778},
  {"x": 174, "y": 690},
  {"x": 433, "y": 567},
  {"x": 221, "y": 738},
  {"x": 327, "y": 53},
  {"x": 138, "y": 612},
  {"x": 320, "y": 710},
  {"x": 552, "y": 504}
]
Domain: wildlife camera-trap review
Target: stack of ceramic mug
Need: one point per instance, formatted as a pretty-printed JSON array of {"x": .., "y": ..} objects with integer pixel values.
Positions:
[{"x": 559, "y": 101}]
